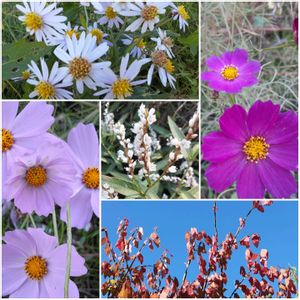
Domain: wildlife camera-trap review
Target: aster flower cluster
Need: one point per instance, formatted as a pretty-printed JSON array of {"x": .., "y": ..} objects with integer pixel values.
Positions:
[
  {"x": 256, "y": 148},
  {"x": 41, "y": 173},
  {"x": 149, "y": 161},
  {"x": 116, "y": 48}
]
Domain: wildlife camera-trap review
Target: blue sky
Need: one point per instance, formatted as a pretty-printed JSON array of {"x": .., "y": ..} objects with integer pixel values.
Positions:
[{"x": 277, "y": 227}]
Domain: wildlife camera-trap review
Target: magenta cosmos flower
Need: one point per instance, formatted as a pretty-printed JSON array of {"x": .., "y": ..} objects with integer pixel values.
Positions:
[
  {"x": 258, "y": 150},
  {"x": 84, "y": 143},
  {"x": 231, "y": 72},
  {"x": 40, "y": 179},
  {"x": 23, "y": 131},
  {"x": 34, "y": 266}
]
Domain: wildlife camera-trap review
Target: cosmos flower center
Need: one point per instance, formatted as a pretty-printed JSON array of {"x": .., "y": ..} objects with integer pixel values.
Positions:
[
  {"x": 33, "y": 21},
  {"x": 230, "y": 72},
  {"x": 169, "y": 67},
  {"x": 71, "y": 32},
  {"x": 110, "y": 13},
  {"x": 45, "y": 90},
  {"x": 98, "y": 34},
  {"x": 36, "y": 176},
  {"x": 167, "y": 41},
  {"x": 159, "y": 58},
  {"x": 139, "y": 43},
  {"x": 121, "y": 88},
  {"x": 149, "y": 12},
  {"x": 36, "y": 267},
  {"x": 7, "y": 140},
  {"x": 256, "y": 149},
  {"x": 90, "y": 178},
  {"x": 79, "y": 68},
  {"x": 182, "y": 12},
  {"x": 25, "y": 75}
]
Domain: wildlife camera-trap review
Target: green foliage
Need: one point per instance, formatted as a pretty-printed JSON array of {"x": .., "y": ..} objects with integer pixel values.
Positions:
[{"x": 16, "y": 57}]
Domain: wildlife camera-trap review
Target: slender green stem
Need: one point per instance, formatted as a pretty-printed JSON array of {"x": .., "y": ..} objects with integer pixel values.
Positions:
[
  {"x": 32, "y": 221},
  {"x": 13, "y": 88},
  {"x": 86, "y": 17},
  {"x": 232, "y": 99},
  {"x": 54, "y": 220},
  {"x": 25, "y": 222},
  {"x": 69, "y": 242}
]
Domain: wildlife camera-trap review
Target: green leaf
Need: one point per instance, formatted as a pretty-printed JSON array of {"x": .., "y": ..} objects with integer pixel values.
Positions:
[
  {"x": 176, "y": 131},
  {"x": 191, "y": 41},
  {"x": 178, "y": 134},
  {"x": 194, "y": 152},
  {"x": 82, "y": 21},
  {"x": 192, "y": 193},
  {"x": 16, "y": 56},
  {"x": 122, "y": 187}
]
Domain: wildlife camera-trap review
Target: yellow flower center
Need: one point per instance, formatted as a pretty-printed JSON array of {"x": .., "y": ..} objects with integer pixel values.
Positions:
[
  {"x": 45, "y": 90},
  {"x": 182, "y": 12},
  {"x": 159, "y": 58},
  {"x": 98, "y": 34},
  {"x": 149, "y": 12},
  {"x": 230, "y": 72},
  {"x": 25, "y": 75},
  {"x": 36, "y": 267},
  {"x": 71, "y": 32},
  {"x": 33, "y": 21},
  {"x": 139, "y": 43},
  {"x": 7, "y": 140},
  {"x": 79, "y": 68},
  {"x": 90, "y": 178},
  {"x": 36, "y": 176},
  {"x": 110, "y": 13},
  {"x": 256, "y": 149},
  {"x": 121, "y": 88},
  {"x": 169, "y": 66}
]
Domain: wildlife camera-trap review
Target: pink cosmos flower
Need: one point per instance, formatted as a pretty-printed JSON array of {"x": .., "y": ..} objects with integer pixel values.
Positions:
[
  {"x": 84, "y": 143},
  {"x": 295, "y": 30},
  {"x": 258, "y": 149},
  {"x": 231, "y": 72},
  {"x": 23, "y": 131},
  {"x": 34, "y": 265},
  {"x": 41, "y": 178}
]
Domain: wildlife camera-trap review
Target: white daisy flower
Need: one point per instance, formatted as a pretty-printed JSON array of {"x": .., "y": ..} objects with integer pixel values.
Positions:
[
  {"x": 164, "y": 42},
  {"x": 120, "y": 6},
  {"x": 181, "y": 14},
  {"x": 41, "y": 20},
  {"x": 139, "y": 45},
  {"x": 165, "y": 68},
  {"x": 61, "y": 39},
  {"x": 121, "y": 86},
  {"x": 23, "y": 77},
  {"x": 98, "y": 33},
  {"x": 85, "y": 3},
  {"x": 148, "y": 15},
  {"x": 49, "y": 86},
  {"x": 81, "y": 56},
  {"x": 110, "y": 15}
]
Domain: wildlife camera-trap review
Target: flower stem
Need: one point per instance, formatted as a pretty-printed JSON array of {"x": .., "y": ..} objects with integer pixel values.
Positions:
[
  {"x": 32, "y": 221},
  {"x": 232, "y": 99},
  {"x": 69, "y": 242},
  {"x": 54, "y": 220}
]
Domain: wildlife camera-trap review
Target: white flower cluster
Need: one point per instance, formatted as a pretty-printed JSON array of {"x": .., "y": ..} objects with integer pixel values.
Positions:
[
  {"x": 83, "y": 49},
  {"x": 108, "y": 192},
  {"x": 143, "y": 141},
  {"x": 139, "y": 156}
]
